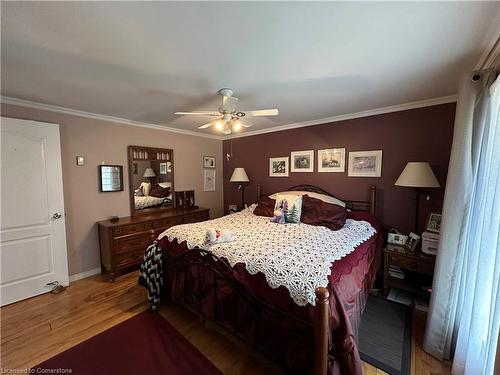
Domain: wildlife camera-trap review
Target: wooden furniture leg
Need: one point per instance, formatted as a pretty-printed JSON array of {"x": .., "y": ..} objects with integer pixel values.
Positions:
[{"x": 321, "y": 332}]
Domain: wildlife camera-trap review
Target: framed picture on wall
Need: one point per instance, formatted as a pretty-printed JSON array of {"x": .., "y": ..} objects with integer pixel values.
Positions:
[
  {"x": 331, "y": 160},
  {"x": 302, "y": 161},
  {"x": 209, "y": 162},
  {"x": 365, "y": 164},
  {"x": 278, "y": 167},
  {"x": 163, "y": 168},
  {"x": 433, "y": 222},
  {"x": 208, "y": 180}
]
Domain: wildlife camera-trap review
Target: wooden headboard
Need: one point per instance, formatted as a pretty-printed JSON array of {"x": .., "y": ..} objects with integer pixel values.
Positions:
[{"x": 368, "y": 205}]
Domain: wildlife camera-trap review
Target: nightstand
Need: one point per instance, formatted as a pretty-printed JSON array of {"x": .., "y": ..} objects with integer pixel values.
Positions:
[{"x": 408, "y": 270}]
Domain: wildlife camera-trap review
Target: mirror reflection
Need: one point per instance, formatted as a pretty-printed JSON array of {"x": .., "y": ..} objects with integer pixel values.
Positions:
[{"x": 151, "y": 178}]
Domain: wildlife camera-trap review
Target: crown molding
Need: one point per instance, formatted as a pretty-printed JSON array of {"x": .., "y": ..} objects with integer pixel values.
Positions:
[
  {"x": 349, "y": 116},
  {"x": 96, "y": 116},
  {"x": 118, "y": 120}
]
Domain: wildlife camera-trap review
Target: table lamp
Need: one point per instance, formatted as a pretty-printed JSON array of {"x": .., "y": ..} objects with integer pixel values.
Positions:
[
  {"x": 417, "y": 175},
  {"x": 150, "y": 174},
  {"x": 240, "y": 176}
]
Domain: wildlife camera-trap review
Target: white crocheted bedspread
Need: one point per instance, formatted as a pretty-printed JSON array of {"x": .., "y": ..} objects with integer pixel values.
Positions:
[{"x": 296, "y": 256}]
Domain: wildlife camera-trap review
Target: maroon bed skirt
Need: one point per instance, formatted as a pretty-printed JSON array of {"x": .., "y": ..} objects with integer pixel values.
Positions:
[{"x": 284, "y": 332}]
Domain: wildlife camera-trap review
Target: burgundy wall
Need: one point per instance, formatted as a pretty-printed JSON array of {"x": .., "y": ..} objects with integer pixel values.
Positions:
[{"x": 423, "y": 134}]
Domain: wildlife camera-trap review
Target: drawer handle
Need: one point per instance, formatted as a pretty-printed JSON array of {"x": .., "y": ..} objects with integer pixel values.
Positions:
[{"x": 133, "y": 229}]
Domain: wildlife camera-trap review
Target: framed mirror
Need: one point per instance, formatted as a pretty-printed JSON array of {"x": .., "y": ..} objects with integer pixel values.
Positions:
[
  {"x": 151, "y": 177},
  {"x": 110, "y": 178}
]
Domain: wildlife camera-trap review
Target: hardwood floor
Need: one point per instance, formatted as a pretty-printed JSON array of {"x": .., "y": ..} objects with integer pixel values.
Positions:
[{"x": 41, "y": 327}]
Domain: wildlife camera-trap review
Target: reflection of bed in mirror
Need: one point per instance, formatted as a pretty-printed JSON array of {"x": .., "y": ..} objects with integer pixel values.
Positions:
[{"x": 151, "y": 179}]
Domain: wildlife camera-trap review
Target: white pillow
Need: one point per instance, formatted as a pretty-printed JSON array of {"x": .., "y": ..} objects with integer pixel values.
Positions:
[
  {"x": 146, "y": 188},
  {"x": 323, "y": 197},
  {"x": 165, "y": 184},
  {"x": 294, "y": 210}
]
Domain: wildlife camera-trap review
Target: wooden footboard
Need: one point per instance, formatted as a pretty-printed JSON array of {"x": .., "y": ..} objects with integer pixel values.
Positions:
[{"x": 321, "y": 330}]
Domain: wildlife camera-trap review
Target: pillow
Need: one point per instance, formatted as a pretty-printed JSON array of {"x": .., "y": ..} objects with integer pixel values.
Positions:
[
  {"x": 158, "y": 192},
  {"x": 139, "y": 192},
  {"x": 146, "y": 188},
  {"x": 323, "y": 197},
  {"x": 165, "y": 184},
  {"x": 317, "y": 212},
  {"x": 294, "y": 206},
  {"x": 265, "y": 207}
]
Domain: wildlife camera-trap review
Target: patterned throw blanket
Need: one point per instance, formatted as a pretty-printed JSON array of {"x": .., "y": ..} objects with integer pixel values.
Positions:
[
  {"x": 151, "y": 274},
  {"x": 296, "y": 256}
]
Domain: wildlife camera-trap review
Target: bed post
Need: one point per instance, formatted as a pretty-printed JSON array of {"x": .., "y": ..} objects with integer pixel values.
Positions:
[
  {"x": 321, "y": 332},
  {"x": 372, "y": 193}
]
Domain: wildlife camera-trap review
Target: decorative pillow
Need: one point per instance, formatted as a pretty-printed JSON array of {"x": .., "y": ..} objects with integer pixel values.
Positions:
[
  {"x": 146, "y": 188},
  {"x": 323, "y": 197},
  {"x": 165, "y": 184},
  {"x": 158, "y": 192},
  {"x": 139, "y": 192},
  {"x": 265, "y": 207},
  {"x": 294, "y": 206},
  {"x": 317, "y": 212}
]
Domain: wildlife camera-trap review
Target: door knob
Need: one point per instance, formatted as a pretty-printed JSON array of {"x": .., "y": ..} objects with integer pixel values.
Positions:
[{"x": 56, "y": 216}]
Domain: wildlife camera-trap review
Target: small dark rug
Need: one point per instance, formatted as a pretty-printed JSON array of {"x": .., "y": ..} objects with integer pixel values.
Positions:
[
  {"x": 144, "y": 344},
  {"x": 385, "y": 336}
]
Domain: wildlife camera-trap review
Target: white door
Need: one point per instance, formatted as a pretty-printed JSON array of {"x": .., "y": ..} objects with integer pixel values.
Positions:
[{"x": 32, "y": 230}]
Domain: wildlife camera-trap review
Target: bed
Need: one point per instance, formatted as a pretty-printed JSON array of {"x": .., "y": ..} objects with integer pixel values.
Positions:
[
  {"x": 300, "y": 322},
  {"x": 142, "y": 202}
]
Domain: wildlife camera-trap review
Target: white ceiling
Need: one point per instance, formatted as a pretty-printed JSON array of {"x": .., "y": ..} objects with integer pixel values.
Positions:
[{"x": 144, "y": 61}]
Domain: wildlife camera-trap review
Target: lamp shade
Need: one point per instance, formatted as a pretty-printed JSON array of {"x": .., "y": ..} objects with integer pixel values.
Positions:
[
  {"x": 149, "y": 172},
  {"x": 419, "y": 175},
  {"x": 239, "y": 175}
]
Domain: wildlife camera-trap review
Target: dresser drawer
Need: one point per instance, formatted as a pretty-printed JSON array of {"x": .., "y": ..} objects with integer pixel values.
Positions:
[
  {"x": 133, "y": 242},
  {"x": 132, "y": 228},
  {"x": 165, "y": 223},
  {"x": 198, "y": 216},
  {"x": 412, "y": 264},
  {"x": 129, "y": 257}
]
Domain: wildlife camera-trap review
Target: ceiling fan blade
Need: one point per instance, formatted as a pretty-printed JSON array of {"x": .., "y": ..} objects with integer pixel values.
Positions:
[
  {"x": 204, "y": 113},
  {"x": 229, "y": 103},
  {"x": 262, "y": 112},
  {"x": 205, "y": 126},
  {"x": 246, "y": 124}
]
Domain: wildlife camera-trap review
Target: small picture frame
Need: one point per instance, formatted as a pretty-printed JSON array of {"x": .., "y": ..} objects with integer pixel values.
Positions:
[
  {"x": 80, "y": 161},
  {"x": 331, "y": 160},
  {"x": 365, "y": 164},
  {"x": 412, "y": 241},
  {"x": 180, "y": 200},
  {"x": 302, "y": 161},
  {"x": 433, "y": 222},
  {"x": 163, "y": 168},
  {"x": 189, "y": 199},
  {"x": 209, "y": 162},
  {"x": 278, "y": 167}
]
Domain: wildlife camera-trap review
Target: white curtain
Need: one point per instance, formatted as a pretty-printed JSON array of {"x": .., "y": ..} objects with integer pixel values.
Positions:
[{"x": 464, "y": 314}]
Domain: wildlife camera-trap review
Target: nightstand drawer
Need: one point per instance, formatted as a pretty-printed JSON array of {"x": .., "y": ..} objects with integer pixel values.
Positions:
[{"x": 412, "y": 264}]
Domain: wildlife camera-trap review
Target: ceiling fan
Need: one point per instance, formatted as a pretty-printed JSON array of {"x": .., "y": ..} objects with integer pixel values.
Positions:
[{"x": 227, "y": 119}]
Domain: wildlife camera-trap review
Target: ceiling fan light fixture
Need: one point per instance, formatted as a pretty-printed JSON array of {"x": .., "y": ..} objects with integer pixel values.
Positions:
[
  {"x": 219, "y": 125},
  {"x": 237, "y": 126}
]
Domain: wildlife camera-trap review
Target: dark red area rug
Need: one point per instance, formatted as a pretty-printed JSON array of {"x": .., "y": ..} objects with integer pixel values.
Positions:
[{"x": 144, "y": 344}]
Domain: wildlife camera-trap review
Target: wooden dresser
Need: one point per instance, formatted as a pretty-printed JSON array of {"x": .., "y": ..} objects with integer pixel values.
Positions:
[{"x": 123, "y": 243}]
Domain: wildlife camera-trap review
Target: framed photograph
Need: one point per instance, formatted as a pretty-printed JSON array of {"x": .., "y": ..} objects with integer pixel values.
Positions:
[
  {"x": 412, "y": 241},
  {"x": 208, "y": 180},
  {"x": 163, "y": 168},
  {"x": 302, "y": 161},
  {"x": 365, "y": 164},
  {"x": 189, "y": 198},
  {"x": 110, "y": 178},
  {"x": 180, "y": 200},
  {"x": 331, "y": 160},
  {"x": 278, "y": 167},
  {"x": 433, "y": 223},
  {"x": 209, "y": 162}
]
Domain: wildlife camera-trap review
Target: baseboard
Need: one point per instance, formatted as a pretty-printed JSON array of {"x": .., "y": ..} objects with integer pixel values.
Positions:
[{"x": 83, "y": 275}]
